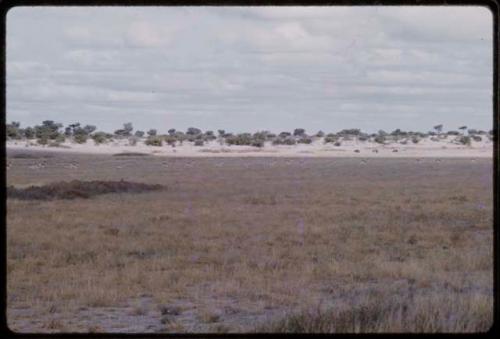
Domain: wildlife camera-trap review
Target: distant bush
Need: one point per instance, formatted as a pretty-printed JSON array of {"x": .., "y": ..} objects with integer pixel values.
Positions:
[
  {"x": 363, "y": 137},
  {"x": 304, "y": 140},
  {"x": 330, "y": 139},
  {"x": 152, "y": 132},
  {"x": 240, "y": 139},
  {"x": 170, "y": 140},
  {"x": 299, "y": 132},
  {"x": 132, "y": 141},
  {"x": 284, "y": 141},
  {"x": 153, "y": 141},
  {"x": 43, "y": 140},
  {"x": 193, "y": 131},
  {"x": 465, "y": 140},
  {"x": 337, "y": 143},
  {"x": 126, "y": 131},
  {"x": 258, "y": 143},
  {"x": 78, "y": 189},
  {"x": 352, "y": 131},
  {"x": 29, "y": 133},
  {"x": 139, "y": 134},
  {"x": 99, "y": 137},
  {"x": 284, "y": 134},
  {"x": 198, "y": 143},
  {"x": 320, "y": 134},
  {"x": 13, "y": 130},
  {"x": 380, "y": 139},
  {"x": 415, "y": 140},
  {"x": 453, "y": 133},
  {"x": 476, "y": 138},
  {"x": 60, "y": 139},
  {"x": 48, "y": 130},
  {"x": 80, "y": 138}
]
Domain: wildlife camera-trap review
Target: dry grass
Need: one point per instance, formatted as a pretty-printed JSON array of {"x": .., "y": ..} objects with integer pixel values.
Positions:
[{"x": 258, "y": 243}]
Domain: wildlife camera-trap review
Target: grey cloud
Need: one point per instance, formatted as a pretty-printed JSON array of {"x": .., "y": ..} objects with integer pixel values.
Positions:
[{"x": 251, "y": 68}]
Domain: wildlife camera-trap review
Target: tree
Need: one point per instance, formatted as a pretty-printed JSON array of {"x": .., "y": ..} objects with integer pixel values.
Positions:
[
  {"x": 171, "y": 131},
  {"x": 438, "y": 128},
  {"x": 193, "y": 131},
  {"x": 48, "y": 130},
  {"x": 221, "y": 132},
  {"x": 139, "y": 134},
  {"x": 299, "y": 132},
  {"x": 99, "y": 137},
  {"x": 152, "y": 132},
  {"x": 13, "y": 130},
  {"x": 89, "y": 129},
  {"x": 126, "y": 131},
  {"x": 29, "y": 133}
]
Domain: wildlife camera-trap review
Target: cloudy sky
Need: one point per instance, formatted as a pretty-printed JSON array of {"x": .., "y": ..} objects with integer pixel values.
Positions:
[{"x": 251, "y": 68}]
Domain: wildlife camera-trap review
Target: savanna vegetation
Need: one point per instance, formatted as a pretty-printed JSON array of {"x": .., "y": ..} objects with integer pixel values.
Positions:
[
  {"x": 55, "y": 134},
  {"x": 248, "y": 244}
]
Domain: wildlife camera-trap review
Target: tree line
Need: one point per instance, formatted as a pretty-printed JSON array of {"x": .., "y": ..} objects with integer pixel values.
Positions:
[{"x": 54, "y": 134}]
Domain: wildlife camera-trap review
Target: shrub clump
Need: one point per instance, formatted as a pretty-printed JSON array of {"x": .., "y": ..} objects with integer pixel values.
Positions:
[
  {"x": 78, "y": 189},
  {"x": 154, "y": 141},
  {"x": 465, "y": 140}
]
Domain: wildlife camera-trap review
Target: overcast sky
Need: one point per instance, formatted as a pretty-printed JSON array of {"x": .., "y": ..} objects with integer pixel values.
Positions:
[{"x": 251, "y": 68}]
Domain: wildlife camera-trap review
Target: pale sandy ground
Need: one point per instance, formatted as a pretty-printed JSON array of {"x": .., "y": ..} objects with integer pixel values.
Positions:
[{"x": 425, "y": 148}]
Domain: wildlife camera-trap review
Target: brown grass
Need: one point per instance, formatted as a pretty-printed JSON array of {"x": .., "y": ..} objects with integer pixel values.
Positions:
[{"x": 245, "y": 244}]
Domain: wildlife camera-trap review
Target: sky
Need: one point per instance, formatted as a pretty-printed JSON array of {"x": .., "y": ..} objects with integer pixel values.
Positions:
[{"x": 245, "y": 69}]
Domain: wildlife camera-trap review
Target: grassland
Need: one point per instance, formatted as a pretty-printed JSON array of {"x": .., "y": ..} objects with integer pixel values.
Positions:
[{"x": 253, "y": 244}]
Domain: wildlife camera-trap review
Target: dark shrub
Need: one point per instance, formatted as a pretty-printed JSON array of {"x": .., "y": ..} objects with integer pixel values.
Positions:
[
  {"x": 89, "y": 129},
  {"x": 170, "y": 140},
  {"x": 13, "y": 131},
  {"x": 99, "y": 137},
  {"x": 139, "y": 134},
  {"x": 284, "y": 134},
  {"x": 126, "y": 131},
  {"x": 472, "y": 131},
  {"x": 258, "y": 143},
  {"x": 415, "y": 140},
  {"x": 299, "y": 132},
  {"x": 380, "y": 139},
  {"x": 152, "y": 132},
  {"x": 193, "y": 131},
  {"x": 320, "y": 134},
  {"x": 198, "y": 143},
  {"x": 305, "y": 140},
  {"x": 171, "y": 131},
  {"x": 153, "y": 141},
  {"x": 337, "y": 143},
  {"x": 330, "y": 138},
  {"x": 29, "y": 133},
  {"x": 48, "y": 130},
  {"x": 476, "y": 138},
  {"x": 465, "y": 140},
  {"x": 80, "y": 138},
  {"x": 453, "y": 133},
  {"x": 78, "y": 189},
  {"x": 352, "y": 131},
  {"x": 240, "y": 139}
]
